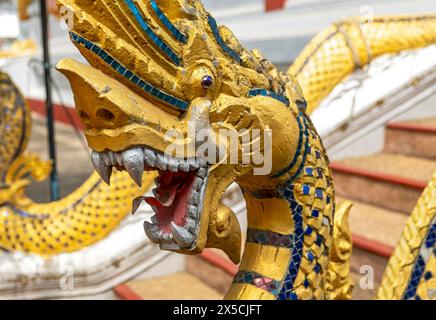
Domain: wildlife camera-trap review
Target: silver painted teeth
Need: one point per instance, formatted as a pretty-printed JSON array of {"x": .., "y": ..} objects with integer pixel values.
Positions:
[
  {"x": 182, "y": 236},
  {"x": 100, "y": 166},
  {"x": 133, "y": 160},
  {"x": 152, "y": 231},
  {"x": 136, "y": 159}
]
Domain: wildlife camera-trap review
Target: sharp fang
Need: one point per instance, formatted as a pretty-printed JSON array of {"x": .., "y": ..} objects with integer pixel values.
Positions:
[
  {"x": 136, "y": 203},
  {"x": 151, "y": 230},
  {"x": 100, "y": 166},
  {"x": 133, "y": 160},
  {"x": 182, "y": 236}
]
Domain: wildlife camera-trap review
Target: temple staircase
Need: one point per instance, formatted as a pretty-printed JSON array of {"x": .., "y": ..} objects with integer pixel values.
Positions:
[{"x": 384, "y": 188}]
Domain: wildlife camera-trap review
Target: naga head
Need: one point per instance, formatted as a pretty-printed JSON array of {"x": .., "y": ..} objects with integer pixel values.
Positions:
[{"x": 167, "y": 89}]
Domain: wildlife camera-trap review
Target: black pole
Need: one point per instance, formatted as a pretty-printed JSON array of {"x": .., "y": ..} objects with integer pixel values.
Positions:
[{"x": 54, "y": 182}]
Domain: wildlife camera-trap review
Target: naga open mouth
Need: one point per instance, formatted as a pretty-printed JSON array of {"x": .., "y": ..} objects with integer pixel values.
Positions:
[{"x": 178, "y": 195}]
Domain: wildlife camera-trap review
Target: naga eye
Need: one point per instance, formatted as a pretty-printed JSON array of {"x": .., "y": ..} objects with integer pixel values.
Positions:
[{"x": 207, "y": 82}]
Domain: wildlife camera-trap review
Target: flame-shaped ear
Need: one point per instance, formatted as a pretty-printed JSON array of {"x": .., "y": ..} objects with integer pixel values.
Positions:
[{"x": 197, "y": 49}]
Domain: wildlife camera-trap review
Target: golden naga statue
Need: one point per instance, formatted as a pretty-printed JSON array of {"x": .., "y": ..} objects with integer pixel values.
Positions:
[{"x": 160, "y": 67}]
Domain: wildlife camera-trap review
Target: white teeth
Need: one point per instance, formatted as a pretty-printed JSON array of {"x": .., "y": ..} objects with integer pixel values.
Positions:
[
  {"x": 182, "y": 236},
  {"x": 202, "y": 172},
  {"x": 152, "y": 231},
  {"x": 161, "y": 162},
  {"x": 100, "y": 166},
  {"x": 198, "y": 182},
  {"x": 133, "y": 160},
  {"x": 184, "y": 166},
  {"x": 149, "y": 158},
  {"x": 192, "y": 212},
  {"x": 137, "y": 159},
  {"x": 173, "y": 165},
  {"x": 193, "y": 165},
  {"x": 167, "y": 236},
  {"x": 190, "y": 225},
  {"x": 194, "y": 198}
]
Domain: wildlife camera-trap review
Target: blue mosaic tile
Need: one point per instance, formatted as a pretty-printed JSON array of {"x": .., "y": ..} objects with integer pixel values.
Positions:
[
  {"x": 258, "y": 280},
  {"x": 319, "y": 240},
  {"x": 319, "y": 193},
  {"x": 306, "y": 189},
  {"x": 148, "y": 88},
  {"x": 309, "y": 230},
  {"x": 167, "y": 23},
  {"x": 306, "y": 283},
  {"x": 428, "y": 275},
  {"x": 229, "y": 51},
  {"x": 298, "y": 150},
  {"x": 315, "y": 213},
  {"x": 309, "y": 171},
  {"x": 157, "y": 41},
  {"x": 317, "y": 268},
  {"x": 269, "y": 238},
  {"x": 305, "y": 153},
  {"x": 431, "y": 237},
  {"x": 267, "y": 93},
  {"x": 297, "y": 249},
  {"x": 293, "y": 296},
  {"x": 310, "y": 256},
  {"x": 415, "y": 278}
]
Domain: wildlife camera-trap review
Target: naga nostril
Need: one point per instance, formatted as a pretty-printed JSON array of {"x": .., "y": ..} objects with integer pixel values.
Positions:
[
  {"x": 85, "y": 118},
  {"x": 105, "y": 116}
]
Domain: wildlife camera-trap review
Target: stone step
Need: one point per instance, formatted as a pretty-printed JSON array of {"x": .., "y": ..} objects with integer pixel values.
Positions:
[
  {"x": 390, "y": 181},
  {"x": 178, "y": 286},
  {"x": 412, "y": 138}
]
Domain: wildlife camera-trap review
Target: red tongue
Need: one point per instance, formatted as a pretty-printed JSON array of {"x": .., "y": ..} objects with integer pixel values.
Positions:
[
  {"x": 168, "y": 194},
  {"x": 173, "y": 192}
]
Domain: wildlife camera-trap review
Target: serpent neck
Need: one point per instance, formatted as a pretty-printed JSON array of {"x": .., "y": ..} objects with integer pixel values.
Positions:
[{"x": 289, "y": 229}]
